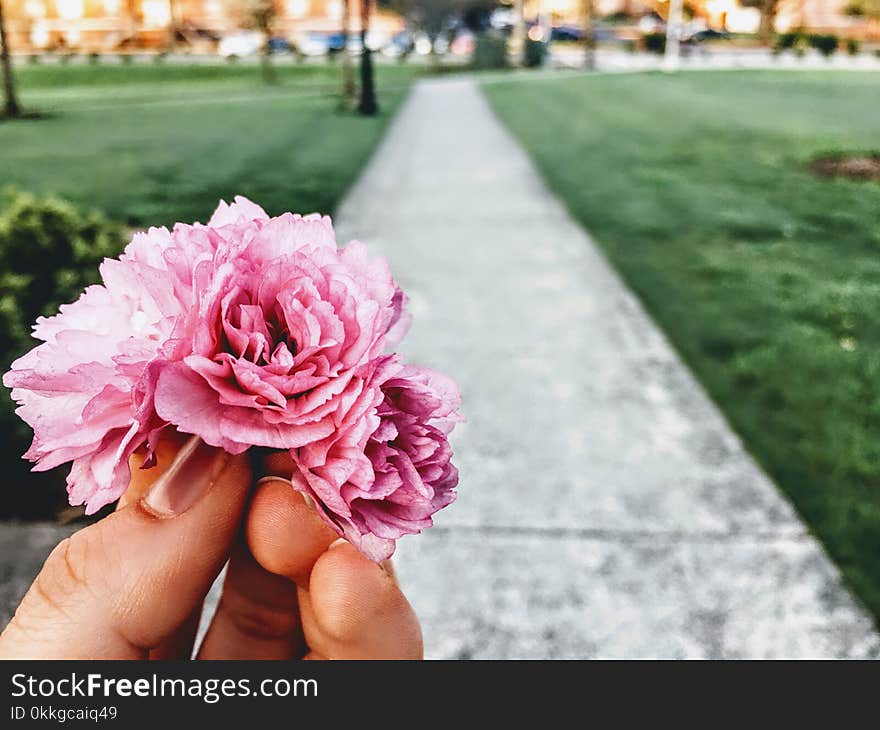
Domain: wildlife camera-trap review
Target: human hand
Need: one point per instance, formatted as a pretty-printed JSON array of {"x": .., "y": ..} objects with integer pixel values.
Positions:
[{"x": 131, "y": 586}]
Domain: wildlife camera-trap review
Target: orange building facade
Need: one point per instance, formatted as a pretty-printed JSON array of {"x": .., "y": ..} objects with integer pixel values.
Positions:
[
  {"x": 107, "y": 25},
  {"x": 816, "y": 15}
]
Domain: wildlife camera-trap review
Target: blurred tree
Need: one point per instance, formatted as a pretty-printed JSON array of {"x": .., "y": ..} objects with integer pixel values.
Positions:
[
  {"x": 427, "y": 15},
  {"x": 588, "y": 11},
  {"x": 11, "y": 107},
  {"x": 133, "y": 19},
  {"x": 348, "y": 89},
  {"x": 173, "y": 24},
  {"x": 863, "y": 9},
  {"x": 768, "y": 10},
  {"x": 368, "y": 105},
  {"x": 432, "y": 16},
  {"x": 260, "y": 16}
]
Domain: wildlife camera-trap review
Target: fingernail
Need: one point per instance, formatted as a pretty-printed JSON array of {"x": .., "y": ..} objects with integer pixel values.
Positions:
[
  {"x": 337, "y": 542},
  {"x": 310, "y": 503},
  {"x": 266, "y": 480},
  {"x": 194, "y": 469}
]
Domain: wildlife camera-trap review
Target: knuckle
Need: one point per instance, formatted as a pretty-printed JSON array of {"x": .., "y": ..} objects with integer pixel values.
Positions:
[{"x": 66, "y": 573}]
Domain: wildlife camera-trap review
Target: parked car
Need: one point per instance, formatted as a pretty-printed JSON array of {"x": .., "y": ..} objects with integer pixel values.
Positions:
[
  {"x": 566, "y": 33},
  {"x": 336, "y": 42},
  {"x": 314, "y": 44},
  {"x": 708, "y": 34},
  {"x": 375, "y": 42},
  {"x": 401, "y": 44},
  {"x": 651, "y": 23},
  {"x": 196, "y": 40},
  {"x": 277, "y": 44},
  {"x": 240, "y": 44},
  {"x": 355, "y": 45},
  {"x": 463, "y": 44},
  {"x": 422, "y": 44}
]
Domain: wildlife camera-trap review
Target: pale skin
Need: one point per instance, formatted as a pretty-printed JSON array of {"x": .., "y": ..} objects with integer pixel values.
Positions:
[{"x": 131, "y": 585}]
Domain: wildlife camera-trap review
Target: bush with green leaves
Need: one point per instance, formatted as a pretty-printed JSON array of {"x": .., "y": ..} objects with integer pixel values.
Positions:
[
  {"x": 49, "y": 252},
  {"x": 619, "y": 17},
  {"x": 853, "y": 47},
  {"x": 654, "y": 42},
  {"x": 825, "y": 43},
  {"x": 490, "y": 51},
  {"x": 534, "y": 53},
  {"x": 787, "y": 41}
]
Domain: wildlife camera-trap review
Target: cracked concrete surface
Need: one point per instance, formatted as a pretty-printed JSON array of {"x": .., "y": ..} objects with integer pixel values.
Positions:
[{"x": 605, "y": 508}]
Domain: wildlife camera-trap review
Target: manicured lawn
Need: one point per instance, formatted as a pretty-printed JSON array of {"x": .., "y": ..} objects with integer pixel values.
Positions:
[
  {"x": 155, "y": 144},
  {"x": 766, "y": 278}
]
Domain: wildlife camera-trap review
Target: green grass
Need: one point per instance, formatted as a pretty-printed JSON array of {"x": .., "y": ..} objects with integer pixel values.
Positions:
[
  {"x": 155, "y": 144},
  {"x": 766, "y": 278}
]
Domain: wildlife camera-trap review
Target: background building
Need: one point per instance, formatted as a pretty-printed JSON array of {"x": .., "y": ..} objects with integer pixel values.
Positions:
[{"x": 103, "y": 25}]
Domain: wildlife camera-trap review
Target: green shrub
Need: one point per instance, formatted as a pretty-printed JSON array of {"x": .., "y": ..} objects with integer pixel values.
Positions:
[
  {"x": 48, "y": 253},
  {"x": 825, "y": 43},
  {"x": 787, "y": 41},
  {"x": 798, "y": 41},
  {"x": 655, "y": 42},
  {"x": 854, "y": 9},
  {"x": 490, "y": 51},
  {"x": 618, "y": 17},
  {"x": 534, "y": 53},
  {"x": 853, "y": 47}
]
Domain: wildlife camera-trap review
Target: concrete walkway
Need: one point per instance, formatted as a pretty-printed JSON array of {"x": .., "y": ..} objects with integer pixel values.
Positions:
[{"x": 605, "y": 508}]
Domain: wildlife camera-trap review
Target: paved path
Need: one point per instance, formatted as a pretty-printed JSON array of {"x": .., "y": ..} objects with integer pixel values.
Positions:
[{"x": 605, "y": 507}]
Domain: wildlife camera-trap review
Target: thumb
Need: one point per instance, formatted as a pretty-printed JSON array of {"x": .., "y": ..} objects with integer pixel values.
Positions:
[{"x": 121, "y": 586}]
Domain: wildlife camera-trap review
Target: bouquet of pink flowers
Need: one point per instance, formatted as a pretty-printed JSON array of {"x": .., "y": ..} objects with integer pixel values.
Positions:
[{"x": 247, "y": 331}]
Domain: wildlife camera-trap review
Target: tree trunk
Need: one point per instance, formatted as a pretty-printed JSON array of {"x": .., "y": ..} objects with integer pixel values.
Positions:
[
  {"x": 368, "y": 105},
  {"x": 671, "y": 56},
  {"x": 589, "y": 40},
  {"x": 268, "y": 70},
  {"x": 518, "y": 35},
  {"x": 131, "y": 16},
  {"x": 11, "y": 107},
  {"x": 347, "y": 71},
  {"x": 768, "y": 20},
  {"x": 172, "y": 25}
]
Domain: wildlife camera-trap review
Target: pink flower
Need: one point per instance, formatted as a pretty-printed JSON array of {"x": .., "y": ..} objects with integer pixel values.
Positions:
[
  {"x": 247, "y": 331},
  {"x": 387, "y": 469}
]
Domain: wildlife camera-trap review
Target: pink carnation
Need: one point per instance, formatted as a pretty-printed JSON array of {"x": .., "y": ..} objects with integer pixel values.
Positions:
[
  {"x": 247, "y": 331},
  {"x": 387, "y": 469}
]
